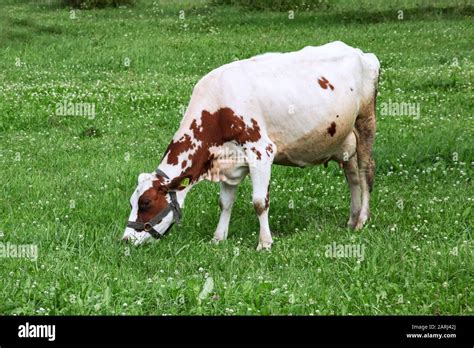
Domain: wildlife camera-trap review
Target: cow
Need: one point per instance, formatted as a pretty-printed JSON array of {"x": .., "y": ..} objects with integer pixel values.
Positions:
[{"x": 299, "y": 109}]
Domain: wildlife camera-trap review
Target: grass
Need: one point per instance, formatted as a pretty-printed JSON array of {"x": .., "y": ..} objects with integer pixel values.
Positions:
[{"x": 66, "y": 180}]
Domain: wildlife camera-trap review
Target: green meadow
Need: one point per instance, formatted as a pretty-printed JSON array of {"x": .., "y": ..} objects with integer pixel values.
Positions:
[{"x": 67, "y": 180}]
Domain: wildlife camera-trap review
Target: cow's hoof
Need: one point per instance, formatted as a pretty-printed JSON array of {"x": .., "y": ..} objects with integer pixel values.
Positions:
[
  {"x": 361, "y": 222},
  {"x": 353, "y": 220},
  {"x": 352, "y": 224},
  {"x": 266, "y": 246},
  {"x": 216, "y": 240}
]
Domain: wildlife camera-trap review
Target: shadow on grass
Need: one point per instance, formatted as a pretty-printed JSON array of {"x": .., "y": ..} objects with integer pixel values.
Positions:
[
  {"x": 24, "y": 30},
  {"x": 341, "y": 17},
  {"x": 392, "y": 15}
]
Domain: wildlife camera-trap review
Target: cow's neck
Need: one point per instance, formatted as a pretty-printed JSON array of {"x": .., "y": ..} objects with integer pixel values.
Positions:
[
  {"x": 193, "y": 163},
  {"x": 191, "y": 152}
]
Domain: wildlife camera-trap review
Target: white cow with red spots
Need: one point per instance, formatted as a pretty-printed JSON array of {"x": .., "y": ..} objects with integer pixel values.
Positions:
[{"x": 299, "y": 109}]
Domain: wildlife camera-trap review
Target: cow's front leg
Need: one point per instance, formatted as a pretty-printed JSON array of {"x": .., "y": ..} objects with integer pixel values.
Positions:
[
  {"x": 260, "y": 172},
  {"x": 226, "y": 201}
]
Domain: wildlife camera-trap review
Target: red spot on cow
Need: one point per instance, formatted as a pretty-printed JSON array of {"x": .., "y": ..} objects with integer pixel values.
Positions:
[
  {"x": 324, "y": 83},
  {"x": 184, "y": 164},
  {"x": 332, "y": 129},
  {"x": 211, "y": 129},
  {"x": 269, "y": 150},
  {"x": 256, "y": 152},
  {"x": 178, "y": 147},
  {"x": 259, "y": 207}
]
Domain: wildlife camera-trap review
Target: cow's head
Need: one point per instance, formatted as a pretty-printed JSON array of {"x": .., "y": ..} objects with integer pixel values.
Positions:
[{"x": 155, "y": 207}]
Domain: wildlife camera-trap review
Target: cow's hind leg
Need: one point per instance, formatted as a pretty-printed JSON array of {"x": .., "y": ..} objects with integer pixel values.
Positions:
[
  {"x": 365, "y": 126},
  {"x": 226, "y": 201},
  {"x": 351, "y": 172}
]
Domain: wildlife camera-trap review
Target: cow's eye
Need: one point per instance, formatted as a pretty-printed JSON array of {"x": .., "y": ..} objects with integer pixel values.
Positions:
[{"x": 144, "y": 204}]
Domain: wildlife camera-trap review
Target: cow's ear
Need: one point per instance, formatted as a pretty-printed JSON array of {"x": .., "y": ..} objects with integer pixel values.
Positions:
[
  {"x": 185, "y": 182},
  {"x": 179, "y": 183}
]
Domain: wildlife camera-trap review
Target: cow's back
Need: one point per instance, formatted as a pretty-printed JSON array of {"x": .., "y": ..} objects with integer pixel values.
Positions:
[{"x": 296, "y": 96}]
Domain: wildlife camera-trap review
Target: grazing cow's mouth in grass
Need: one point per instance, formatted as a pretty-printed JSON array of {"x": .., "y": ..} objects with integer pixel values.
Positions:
[{"x": 299, "y": 109}]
